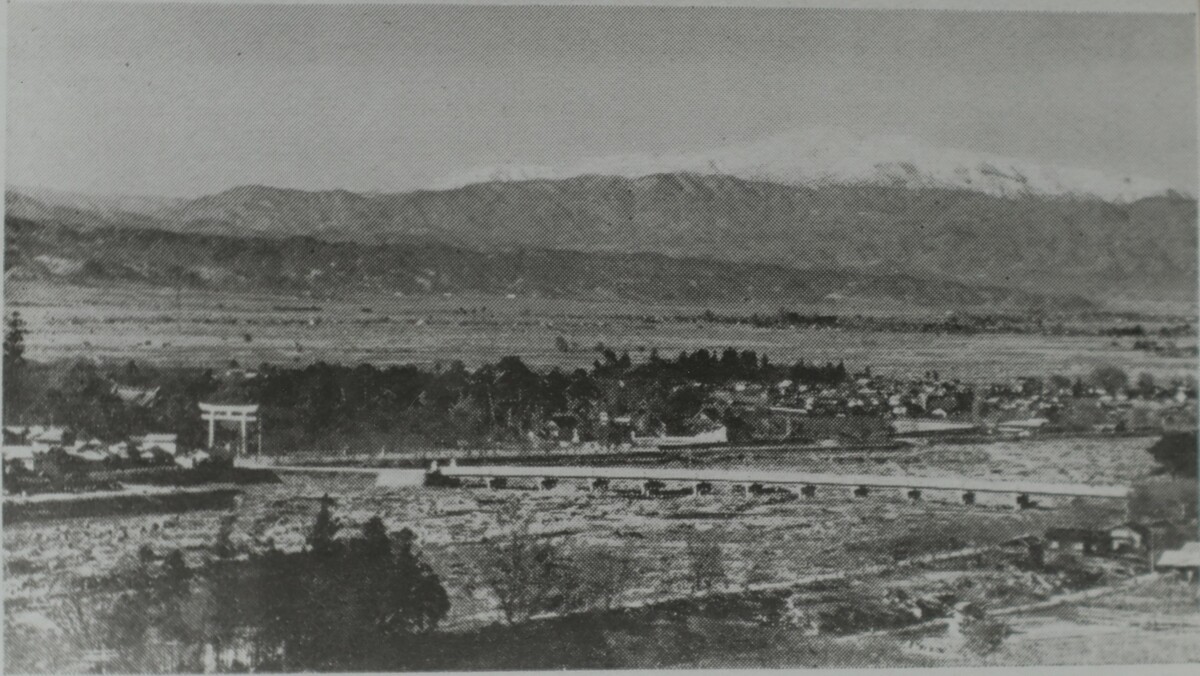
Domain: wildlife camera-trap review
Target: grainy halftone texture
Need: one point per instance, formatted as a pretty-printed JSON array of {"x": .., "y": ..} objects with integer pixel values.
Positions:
[{"x": 597, "y": 338}]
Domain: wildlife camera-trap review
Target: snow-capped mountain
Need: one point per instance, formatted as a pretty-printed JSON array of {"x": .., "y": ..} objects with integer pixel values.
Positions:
[
  {"x": 808, "y": 201},
  {"x": 817, "y": 157}
]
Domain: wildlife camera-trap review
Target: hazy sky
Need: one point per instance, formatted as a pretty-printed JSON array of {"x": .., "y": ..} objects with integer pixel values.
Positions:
[{"x": 183, "y": 100}]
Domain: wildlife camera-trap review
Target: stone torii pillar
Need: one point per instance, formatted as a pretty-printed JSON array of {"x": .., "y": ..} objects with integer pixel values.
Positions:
[{"x": 243, "y": 414}]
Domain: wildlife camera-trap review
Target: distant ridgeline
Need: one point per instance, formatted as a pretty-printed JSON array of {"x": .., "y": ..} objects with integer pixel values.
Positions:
[
  {"x": 425, "y": 266},
  {"x": 890, "y": 237}
]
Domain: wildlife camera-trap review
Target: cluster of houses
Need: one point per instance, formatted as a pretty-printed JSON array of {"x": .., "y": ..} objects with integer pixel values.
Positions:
[
  {"x": 32, "y": 445},
  {"x": 866, "y": 407},
  {"x": 931, "y": 405},
  {"x": 1160, "y": 542}
]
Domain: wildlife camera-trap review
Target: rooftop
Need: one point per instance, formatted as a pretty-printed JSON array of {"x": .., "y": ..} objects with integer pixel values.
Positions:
[{"x": 1187, "y": 556}]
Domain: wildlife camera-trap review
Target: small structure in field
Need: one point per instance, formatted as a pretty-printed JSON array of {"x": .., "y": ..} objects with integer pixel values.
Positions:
[
  {"x": 136, "y": 396},
  {"x": 21, "y": 454},
  {"x": 1184, "y": 561},
  {"x": 1128, "y": 537},
  {"x": 1022, "y": 428},
  {"x": 44, "y": 438},
  {"x": 1133, "y": 537},
  {"x": 930, "y": 427},
  {"x": 719, "y": 435},
  {"x": 1079, "y": 540},
  {"x": 165, "y": 442}
]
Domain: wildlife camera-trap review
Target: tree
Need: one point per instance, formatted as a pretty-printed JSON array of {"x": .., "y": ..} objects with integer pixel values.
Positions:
[
  {"x": 321, "y": 538},
  {"x": 1176, "y": 453},
  {"x": 706, "y": 566},
  {"x": 347, "y": 605},
  {"x": 14, "y": 341},
  {"x": 984, "y": 635},
  {"x": 395, "y": 594},
  {"x": 527, "y": 574},
  {"x": 224, "y": 547},
  {"x": 1145, "y": 383},
  {"x": 1161, "y": 497},
  {"x": 375, "y": 541},
  {"x": 14, "y": 365},
  {"x": 561, "y": 344},
  {"x": 1059, "y": 382},
  {"x": 172, "y": 589},
  {"x": 1111, "y": 378},
  {"x": 602, "y": 576},
  {"x": 418, "y": 599}
]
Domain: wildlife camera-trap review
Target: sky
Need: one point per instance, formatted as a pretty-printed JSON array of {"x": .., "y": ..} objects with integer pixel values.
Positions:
[{"x": 183, "y": 100}]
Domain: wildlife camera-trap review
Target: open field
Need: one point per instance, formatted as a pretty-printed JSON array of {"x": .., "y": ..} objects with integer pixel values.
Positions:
[
  {"x": 763, "y": 539},
  {"x": 211, "y": 329},
  {"x": 1150, "y": 620},
  {"x": 1143, "y": 620}
]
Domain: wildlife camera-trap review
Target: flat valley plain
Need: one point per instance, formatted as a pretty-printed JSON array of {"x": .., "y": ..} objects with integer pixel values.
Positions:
[
  {"x": 210, "y": 329},
  {"x": 764, "y": 540}
]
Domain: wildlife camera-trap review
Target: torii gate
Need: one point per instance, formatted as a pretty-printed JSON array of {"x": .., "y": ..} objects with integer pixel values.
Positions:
[{"x": 240, "y": 413}]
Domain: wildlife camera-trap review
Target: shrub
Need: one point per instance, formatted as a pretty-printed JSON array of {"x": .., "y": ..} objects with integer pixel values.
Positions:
[
  {"x": 1176, "y": 452},
  {"x": 1109, "y": 377}
]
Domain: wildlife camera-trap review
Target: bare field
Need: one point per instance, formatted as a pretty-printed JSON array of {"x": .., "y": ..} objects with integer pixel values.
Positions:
[
  {"x": 211, "y": 329},
  {"x": 761, "y": 541},
  {"x": 1142, "y": 621},
  {"x": 1099, "y": 461},
  {"x": 764, "y": 539}
]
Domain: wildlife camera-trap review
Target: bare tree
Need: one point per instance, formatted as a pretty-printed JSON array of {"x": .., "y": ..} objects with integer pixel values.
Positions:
[
  {"x": 527, "y": 573},
  {"x": 706, "y": 565},
  {"x": 601, "y": 575}
]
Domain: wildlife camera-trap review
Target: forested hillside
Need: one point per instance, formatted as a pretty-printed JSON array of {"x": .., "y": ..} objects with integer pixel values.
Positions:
[
  {"x": 423, "y": 265},
  {"x": 1069, "y": 245}
]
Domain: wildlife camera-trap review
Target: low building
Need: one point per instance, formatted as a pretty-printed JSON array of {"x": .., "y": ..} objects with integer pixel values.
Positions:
[
  {"x": 136, "y": 396},
  {"x": 163, "y": 442},
  {"x": 16, "y": 436},
  {"x": 23, "y": 454},
  {"x": 716, "y": 436},
  {"x": 45, "y": 438},
  {"x": 190, "y": 460},
  {"x": 1021, "y": 544},
  {"x": 930, "y": 427},
  {"x": 1184, "y": 561},
  {"x": 1022, "y": 427},
  {"x": 1085, "y": 541},
  {"x": 1128, "y": 538},
  {"x": 89, "y": 451}
]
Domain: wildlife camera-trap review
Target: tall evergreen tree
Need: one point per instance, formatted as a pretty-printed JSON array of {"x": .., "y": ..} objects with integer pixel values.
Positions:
[
  {"x": 321, "y": 539},
  {"x": 14, "y": 365}
]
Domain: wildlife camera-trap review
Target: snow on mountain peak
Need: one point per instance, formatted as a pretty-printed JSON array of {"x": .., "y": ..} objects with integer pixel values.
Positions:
[{"x": 813, "y": 157}]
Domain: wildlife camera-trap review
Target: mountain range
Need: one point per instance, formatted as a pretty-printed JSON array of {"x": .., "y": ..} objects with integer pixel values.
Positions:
[
  {"x": 1044, "y": 245},
  {"x": 38, "y": 252}
]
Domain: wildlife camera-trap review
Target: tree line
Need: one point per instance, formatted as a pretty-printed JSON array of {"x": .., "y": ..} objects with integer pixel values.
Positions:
[
  {"x": 357, "y": 602},
  {"x": 368, "y": 407}
]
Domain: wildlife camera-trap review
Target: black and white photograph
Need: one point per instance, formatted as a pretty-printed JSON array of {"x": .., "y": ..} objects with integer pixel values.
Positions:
[{"x": 810, "y": 334}]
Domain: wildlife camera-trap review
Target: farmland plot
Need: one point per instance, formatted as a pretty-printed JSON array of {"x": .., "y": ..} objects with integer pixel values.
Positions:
[{"x": 211, "y": 329}]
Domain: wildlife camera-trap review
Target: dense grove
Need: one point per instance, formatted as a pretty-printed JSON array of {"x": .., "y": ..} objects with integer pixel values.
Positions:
[
  {"x": 342, "y": 602},
  {"x": 330, "y": 406},
  {"x": 962, "y": 324}
]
